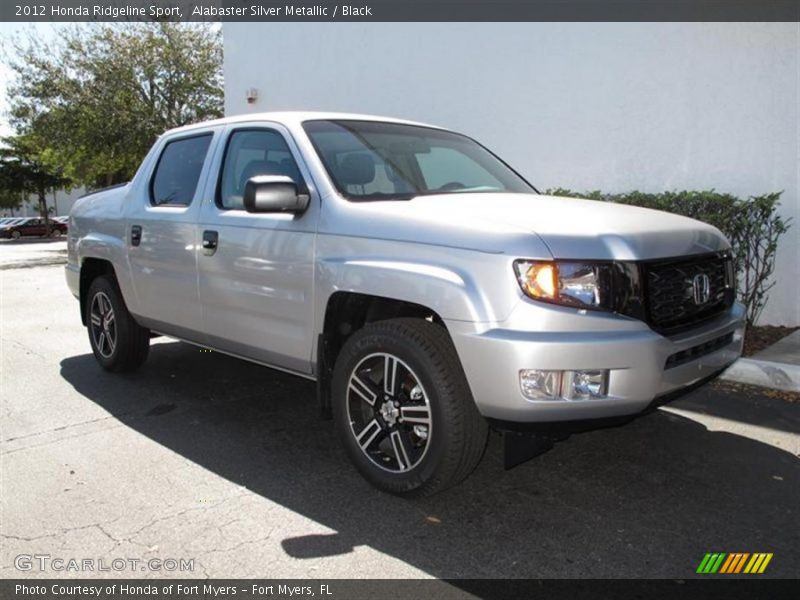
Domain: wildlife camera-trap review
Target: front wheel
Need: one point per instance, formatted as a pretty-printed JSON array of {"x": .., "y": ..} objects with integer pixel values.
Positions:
[
  {"x": 403, "y": 408},
  {"x": 119, "y": 343}
]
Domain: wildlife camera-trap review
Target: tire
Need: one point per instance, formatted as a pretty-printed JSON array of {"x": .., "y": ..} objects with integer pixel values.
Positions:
[
  {"x": 56, "y": 233},
  {"x": 119, "y": 343},
  {"x": 389, "y": 440},
  {"x": 16, "y": 235}
]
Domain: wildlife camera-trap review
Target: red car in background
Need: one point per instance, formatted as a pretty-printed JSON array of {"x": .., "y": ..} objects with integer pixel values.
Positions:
[{"x": 30, "y": 227}]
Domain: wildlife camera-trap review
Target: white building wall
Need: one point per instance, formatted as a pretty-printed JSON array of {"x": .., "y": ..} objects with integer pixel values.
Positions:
[
  {"x": 609, "y": 106},
  {"x": 59, "y": 203}
]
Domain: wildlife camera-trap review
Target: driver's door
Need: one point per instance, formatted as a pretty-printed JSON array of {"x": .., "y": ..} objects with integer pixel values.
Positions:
[{"x": 256, "y": 283}]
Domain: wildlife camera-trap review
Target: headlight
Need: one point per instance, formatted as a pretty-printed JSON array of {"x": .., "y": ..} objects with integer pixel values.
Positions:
[{"x": 570, "y": 283}]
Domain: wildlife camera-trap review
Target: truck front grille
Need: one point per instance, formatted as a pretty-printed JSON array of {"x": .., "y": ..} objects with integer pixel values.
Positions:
[{"x": 682, "y": 293}]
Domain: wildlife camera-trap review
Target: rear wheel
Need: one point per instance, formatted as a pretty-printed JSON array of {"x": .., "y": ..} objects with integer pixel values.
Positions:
[
  {"x": 119, "y": 343},
  {"x": 403, "y": 408},
  {"x": 16, "y": 235}
]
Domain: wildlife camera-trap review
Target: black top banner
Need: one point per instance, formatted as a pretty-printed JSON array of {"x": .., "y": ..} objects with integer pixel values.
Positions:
[{"x": 401, "y": 10}]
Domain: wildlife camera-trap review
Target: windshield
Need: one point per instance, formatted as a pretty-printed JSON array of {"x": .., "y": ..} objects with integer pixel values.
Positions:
[{"x": 370, "y": 160}]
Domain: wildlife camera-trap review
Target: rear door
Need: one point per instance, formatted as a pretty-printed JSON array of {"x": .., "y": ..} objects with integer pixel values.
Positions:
[
  {"x": 162, "y": 236},
  {"x": 256, "y": 284}
]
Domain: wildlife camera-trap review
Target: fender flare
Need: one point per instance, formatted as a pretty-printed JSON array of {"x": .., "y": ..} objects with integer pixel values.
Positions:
[{"x": 451, "y": 293}]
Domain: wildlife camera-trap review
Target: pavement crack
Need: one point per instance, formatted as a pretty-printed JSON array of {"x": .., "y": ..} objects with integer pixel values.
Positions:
[
  {"x": 22, "y": 346},
  {"x": 240, "y": 544},
  {"x": 152, "y": 522},
  {"x": 63, "y": 428},
  {"x": 20, "y": 538},
  {"x": 107, "y": 534}
]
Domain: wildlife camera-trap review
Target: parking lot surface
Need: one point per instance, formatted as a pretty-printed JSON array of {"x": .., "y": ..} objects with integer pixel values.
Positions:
[{"x": 201, "y": 456}]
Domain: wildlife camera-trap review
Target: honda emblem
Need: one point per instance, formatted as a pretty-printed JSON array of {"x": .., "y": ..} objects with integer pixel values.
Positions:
[{"x": 701, "y": 289}]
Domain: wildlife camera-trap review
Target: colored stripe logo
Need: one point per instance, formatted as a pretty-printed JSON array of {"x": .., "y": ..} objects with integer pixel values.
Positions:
[{"x": 735, "y": 562}]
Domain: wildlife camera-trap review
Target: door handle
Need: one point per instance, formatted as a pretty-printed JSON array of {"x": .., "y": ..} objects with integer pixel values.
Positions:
[
  {"x": 136, "y": 235},
  {"x": 210, "y": 241}
]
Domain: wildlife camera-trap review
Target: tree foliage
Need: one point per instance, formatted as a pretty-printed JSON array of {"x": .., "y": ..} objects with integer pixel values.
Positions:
[
  {"x": 25, "y": 170},
  {"x": 10, "y": 200},
  {"x": 96, "y": 99}
]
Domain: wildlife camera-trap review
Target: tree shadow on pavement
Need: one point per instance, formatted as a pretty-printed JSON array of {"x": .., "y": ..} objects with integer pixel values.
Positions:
[{"x": 645, "y": 500}]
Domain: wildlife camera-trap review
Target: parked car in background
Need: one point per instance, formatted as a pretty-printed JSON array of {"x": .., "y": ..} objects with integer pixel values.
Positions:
[
  {"x": 7, "y": 223},
  {"x": 31, "y": 227}
]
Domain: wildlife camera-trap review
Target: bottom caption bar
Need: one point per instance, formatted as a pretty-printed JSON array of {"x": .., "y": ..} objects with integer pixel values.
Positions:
[{"x": 395, "y": 589}]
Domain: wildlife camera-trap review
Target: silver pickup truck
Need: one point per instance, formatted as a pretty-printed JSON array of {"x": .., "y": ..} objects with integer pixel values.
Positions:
[{"x": 428, "y": 288}]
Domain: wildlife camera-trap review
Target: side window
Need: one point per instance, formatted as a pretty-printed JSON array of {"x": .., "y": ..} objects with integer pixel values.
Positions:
[
  {"x": 178, "y": 170},
  {"x": 252, "y": 152}
]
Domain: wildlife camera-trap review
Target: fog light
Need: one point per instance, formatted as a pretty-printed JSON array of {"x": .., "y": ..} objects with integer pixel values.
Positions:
[
  {"x": 581, "y": 385},
  {"x": 540, "y": 385}
]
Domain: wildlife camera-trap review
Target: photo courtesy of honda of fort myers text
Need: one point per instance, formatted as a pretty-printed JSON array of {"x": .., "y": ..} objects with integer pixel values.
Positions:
[{"x": 443, "y": 299}]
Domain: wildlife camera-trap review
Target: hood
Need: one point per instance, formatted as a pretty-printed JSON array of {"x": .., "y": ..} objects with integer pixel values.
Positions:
[{"x": 570, "y": 228}]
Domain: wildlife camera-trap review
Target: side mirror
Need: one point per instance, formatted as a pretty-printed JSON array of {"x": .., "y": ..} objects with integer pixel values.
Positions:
[{"x": 274, "y": 194}]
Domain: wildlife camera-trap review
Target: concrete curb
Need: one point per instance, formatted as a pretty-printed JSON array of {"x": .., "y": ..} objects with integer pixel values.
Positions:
[{"x": 775, "y": 375}]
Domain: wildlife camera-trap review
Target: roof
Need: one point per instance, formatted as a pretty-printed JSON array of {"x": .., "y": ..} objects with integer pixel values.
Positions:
[{"x": 294, "y": 118}]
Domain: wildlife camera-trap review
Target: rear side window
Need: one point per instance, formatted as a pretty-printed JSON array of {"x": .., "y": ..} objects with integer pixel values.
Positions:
[
  {"x": 252, "y": 152},
  {"x": 178, "y": 171}
]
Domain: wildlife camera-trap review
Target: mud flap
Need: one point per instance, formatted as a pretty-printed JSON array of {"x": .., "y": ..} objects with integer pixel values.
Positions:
[
  {"x": 520, "y": 447},
  {"x": 324, "y": 377}
]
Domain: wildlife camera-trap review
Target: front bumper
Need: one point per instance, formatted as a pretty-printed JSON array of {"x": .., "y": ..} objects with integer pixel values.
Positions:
[{"x": 635, "y": 355}]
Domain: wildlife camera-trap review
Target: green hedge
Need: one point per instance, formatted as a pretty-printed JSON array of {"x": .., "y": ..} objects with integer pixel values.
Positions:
[{"x": 753, "y": 227}]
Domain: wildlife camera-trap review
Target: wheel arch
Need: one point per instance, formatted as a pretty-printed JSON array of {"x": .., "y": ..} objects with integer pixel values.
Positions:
[
  {"x": 347, "y": 312},
  {"x": 91, "y": 269}
]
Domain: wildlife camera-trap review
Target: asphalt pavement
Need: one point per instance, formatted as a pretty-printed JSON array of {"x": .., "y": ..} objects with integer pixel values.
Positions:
[{"x": 203, "y": 457}]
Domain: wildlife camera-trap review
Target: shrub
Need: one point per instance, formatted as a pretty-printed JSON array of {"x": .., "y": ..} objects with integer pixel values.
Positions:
[{"x": 752, "y": 226}]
